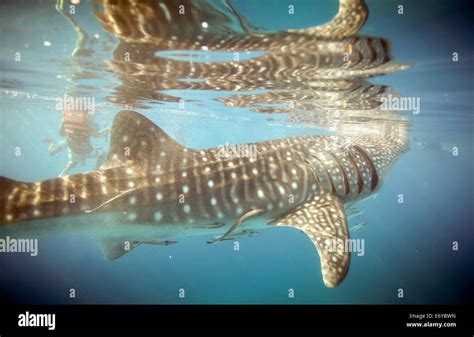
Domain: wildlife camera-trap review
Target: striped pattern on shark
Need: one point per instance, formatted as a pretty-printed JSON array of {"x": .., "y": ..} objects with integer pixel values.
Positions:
[
  {"x": 301, "y": 182},
  {"x": 290, "y": 60},
  {"x": 179, "y": 25}
]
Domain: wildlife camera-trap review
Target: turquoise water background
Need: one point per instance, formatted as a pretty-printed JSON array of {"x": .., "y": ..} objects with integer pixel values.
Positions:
[{"x": 407, "y": 245}]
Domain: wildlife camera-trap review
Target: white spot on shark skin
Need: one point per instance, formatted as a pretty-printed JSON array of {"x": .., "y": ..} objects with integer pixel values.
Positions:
[
  {"x": 281, "y": 189},
  {"x": 185, "y": 189},
  {"x": 131, "y": 184},
  {"x": 294, "y": 185},
  {"x": 220, "y": 215},
  {"x": 233, "y": 175},
  {"x": 293, "y": 171},
  {"x": 260, "y": 194},
  {"x": 133, "y": 200},
  {"x": 239, "y": 210},
  {"x": 125, "y": 138},
  {"x": 132, "y": 216},
  {"x": 210, "y": 183},
  {"x": 158, "y": 216},
  {"x": 184, "y": 174},
  {"x": 186, "y": 209},
  {"x": 255, "y": 171},
  {"x": 157, "y": 180},
  {"x": 213, "y": 201},
  {"x": 159, "y": 196}
]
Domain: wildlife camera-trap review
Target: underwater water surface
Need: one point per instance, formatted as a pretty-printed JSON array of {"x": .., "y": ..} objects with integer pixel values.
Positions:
[{"x": 422, "y": 245}]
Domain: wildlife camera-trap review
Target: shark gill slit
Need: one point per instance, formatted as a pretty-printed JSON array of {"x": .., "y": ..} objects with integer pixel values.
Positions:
[
  {"x": 375, "y": 176},
  {"x": 333, "y": 187},
  {"x": 347, "y": 188},
  {"x": 315, "y": 174},
  {"x": 360, "y": 182}
]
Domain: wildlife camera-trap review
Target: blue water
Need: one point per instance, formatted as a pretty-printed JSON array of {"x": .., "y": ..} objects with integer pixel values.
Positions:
[{"x": 407, "y": 245}]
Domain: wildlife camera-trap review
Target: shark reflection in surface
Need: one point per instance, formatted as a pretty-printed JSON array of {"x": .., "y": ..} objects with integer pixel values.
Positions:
[{"x": 154, "y": 190}]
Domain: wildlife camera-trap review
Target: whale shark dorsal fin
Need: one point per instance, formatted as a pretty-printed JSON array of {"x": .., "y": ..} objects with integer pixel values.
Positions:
[
  {"x": 137, "y": 141},
  {"x": 324, "y": 221}
]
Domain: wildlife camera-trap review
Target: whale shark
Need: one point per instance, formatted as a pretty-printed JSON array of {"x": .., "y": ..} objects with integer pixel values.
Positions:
[{"x": 151, "y": 189}]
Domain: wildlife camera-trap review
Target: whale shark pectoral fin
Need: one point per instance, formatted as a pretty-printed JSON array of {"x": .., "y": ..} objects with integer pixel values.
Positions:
[
  {"x": 113, "y": 249},
  {"x": 244, "y": 216},
  {"x": 323, "y": 220},
  {"x": 139, "y": 143}
]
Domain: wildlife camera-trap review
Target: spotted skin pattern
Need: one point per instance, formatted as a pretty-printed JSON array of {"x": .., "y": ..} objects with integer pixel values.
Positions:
[{"x": 298, "y": 181}]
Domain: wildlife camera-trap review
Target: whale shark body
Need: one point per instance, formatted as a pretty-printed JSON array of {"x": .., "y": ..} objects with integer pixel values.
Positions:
[{"x": 153, "y": 190}]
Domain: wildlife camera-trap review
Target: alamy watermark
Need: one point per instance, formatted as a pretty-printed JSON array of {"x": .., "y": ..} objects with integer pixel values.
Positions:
[
  {"x": 237, "y": 151},
  {"x": 346, "y": 246},
  {"x": 37, "y": 320},
  {"x": 11, "y": 245},
  {"x": 396, "y": 103},
  {"x": 72, "y": 103}
]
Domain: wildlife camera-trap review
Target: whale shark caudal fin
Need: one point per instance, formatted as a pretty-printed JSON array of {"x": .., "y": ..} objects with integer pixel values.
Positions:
[
  {"x": 136, "y": 141},
  {"x": 324, "y": 221}
]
